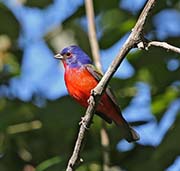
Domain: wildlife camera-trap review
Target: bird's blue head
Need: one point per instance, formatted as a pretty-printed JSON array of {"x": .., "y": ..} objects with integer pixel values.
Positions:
[{"x": 73, "y": 57}]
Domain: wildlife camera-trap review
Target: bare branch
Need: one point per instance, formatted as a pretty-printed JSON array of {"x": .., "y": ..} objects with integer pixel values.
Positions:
[
  {"x": 105, "y": 146},
  {"x": 164, "y": 45},
  {"x": 78, "y": 145},
  {"x": 92, "y": 33},
  {"x": 96, "y": 58},
  {"x": 132, "y": 40}
]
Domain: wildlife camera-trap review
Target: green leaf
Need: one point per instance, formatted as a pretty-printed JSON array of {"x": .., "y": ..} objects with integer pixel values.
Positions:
[
  {"x": 48, "y": 163},
  {"x": 161, "y": 102},
  {"x": 120, "y": 25},
  {"x": 9, "y": 24}
]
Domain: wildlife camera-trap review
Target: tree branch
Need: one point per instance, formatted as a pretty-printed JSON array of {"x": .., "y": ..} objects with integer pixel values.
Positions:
[
  {"x": 96, "y": 58},
  {"x": 105, "y": 147},
  {"x": 92, "y": 34},
  {"x": 164, "y": 45},
  {"x": 131, "y": 42}
]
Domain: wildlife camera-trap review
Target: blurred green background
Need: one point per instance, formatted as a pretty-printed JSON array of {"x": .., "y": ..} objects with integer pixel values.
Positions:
[{"x": 39, "y": 121}]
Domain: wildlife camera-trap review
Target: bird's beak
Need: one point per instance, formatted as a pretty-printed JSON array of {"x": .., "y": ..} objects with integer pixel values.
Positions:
[{"x": 58, "y": 56}]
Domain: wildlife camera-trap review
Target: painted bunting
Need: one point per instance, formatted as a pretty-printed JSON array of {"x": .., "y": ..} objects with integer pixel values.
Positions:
[{"x": 81, "y": 77}]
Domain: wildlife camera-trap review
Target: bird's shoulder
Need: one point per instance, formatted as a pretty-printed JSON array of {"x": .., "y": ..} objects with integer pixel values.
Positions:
[
  {"x": 94, "y": 71},
  {"x": 98, "y": 75}
]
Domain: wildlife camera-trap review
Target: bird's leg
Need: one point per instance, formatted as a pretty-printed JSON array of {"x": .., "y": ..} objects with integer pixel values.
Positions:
[{"x": 82, "y": 122}]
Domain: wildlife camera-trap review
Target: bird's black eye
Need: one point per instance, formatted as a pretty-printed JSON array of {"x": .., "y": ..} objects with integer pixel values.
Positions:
[{"x": 68, "y": 54}]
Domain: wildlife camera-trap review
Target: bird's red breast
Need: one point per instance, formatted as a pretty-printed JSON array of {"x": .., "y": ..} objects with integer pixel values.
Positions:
[{"x": 80, "y": 82}]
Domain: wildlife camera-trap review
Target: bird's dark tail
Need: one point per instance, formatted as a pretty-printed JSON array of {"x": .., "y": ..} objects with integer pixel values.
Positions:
[
  {"x": 128, "y": 132},
  {"x": 132, "y": 135}
]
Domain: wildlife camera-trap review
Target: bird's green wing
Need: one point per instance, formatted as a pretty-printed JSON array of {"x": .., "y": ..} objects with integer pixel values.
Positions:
[{"x": 97, "y": 75}]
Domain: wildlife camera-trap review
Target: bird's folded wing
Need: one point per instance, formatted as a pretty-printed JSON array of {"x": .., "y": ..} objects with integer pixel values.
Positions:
[{"x": 97, "y": 75}]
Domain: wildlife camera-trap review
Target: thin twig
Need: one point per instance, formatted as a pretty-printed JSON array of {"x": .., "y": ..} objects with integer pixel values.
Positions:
[
  {"x": 105, "y": 147},
  {"x": 164, "y": 45},
  {"x": 96, "y": 58},
  {"x": 132, "y": 40},
  {"x": 92, "y": 34}
]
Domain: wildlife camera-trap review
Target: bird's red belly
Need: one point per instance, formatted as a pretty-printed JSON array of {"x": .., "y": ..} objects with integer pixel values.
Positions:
[{"x": 79, "y": 84}]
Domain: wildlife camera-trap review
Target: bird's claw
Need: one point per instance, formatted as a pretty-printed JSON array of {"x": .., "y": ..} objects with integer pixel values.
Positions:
[{"x": 82, "y": 122}]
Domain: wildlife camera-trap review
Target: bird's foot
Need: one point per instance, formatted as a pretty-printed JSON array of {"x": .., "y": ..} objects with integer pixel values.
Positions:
[{"x": 83, "y": 123}]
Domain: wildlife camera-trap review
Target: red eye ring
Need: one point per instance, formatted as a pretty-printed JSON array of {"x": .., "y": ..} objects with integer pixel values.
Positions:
[{"x": 68, "y": 54}]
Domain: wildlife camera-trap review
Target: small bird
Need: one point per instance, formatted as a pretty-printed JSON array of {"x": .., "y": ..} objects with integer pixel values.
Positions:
[{"x": 81, "y": 77}]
